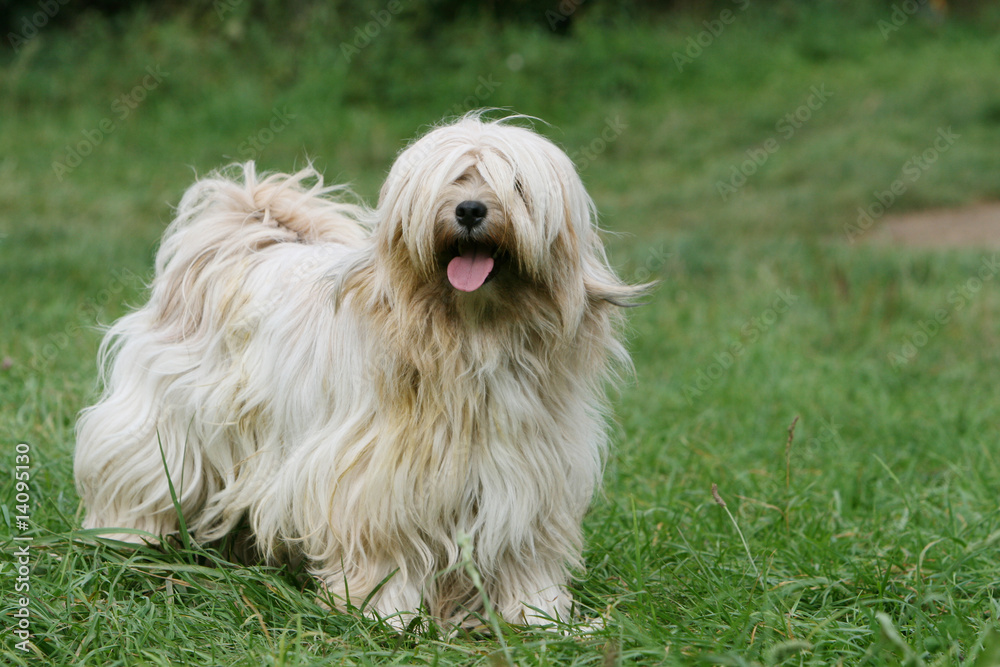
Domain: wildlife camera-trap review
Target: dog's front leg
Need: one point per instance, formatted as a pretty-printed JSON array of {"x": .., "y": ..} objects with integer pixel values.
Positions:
[
  {"x": 532, "y": 591},
  {"x": 381, "y": 591},
  {"x": 397, "y": 602}
]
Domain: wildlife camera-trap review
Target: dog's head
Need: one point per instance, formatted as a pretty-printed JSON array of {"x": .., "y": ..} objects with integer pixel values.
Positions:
[{"x": 491, "y": 214}]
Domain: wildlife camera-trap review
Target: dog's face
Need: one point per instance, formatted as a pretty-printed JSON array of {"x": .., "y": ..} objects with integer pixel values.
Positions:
[
  {"x": 473, "y": 232},
  {"x": 488, "y": 213},
  {"x": 488, "y": 223}
]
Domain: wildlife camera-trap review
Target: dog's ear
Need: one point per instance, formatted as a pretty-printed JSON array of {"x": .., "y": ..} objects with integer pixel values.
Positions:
[
  {"x": 615, "y": 292},
  {"x": 603, "y": 285}
]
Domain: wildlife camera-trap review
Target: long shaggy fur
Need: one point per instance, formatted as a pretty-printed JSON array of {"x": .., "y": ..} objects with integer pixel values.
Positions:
[{"x": 305, "y": 367}]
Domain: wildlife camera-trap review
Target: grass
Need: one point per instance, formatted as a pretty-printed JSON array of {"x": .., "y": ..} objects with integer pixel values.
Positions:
[{"x": 873, "y": 543}]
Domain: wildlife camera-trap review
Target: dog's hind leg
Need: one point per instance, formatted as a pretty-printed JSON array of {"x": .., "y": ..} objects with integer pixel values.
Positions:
[
  {"x": 123, "y": 480},
  {"x": 132, "y": 447}
]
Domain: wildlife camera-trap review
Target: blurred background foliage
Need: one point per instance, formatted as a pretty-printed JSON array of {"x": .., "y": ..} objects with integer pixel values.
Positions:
[
  {"x": 433, "y": 14},
  {"x": 109, "y": 110}
]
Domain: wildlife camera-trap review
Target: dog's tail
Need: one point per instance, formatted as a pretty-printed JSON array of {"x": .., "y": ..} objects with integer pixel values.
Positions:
[
  {"x": 239, "y": 210},
  {"x": 226, "y": 219}
]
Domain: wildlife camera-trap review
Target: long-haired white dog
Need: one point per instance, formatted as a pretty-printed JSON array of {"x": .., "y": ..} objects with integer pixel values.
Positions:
[{"x": 367, "y": 390}]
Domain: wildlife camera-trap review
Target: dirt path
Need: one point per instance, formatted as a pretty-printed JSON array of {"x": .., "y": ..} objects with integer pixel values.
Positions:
[{"x": 972, "y": 226}]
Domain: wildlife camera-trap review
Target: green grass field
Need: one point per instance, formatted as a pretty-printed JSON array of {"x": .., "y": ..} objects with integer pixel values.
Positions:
[{"x": 870, "y": 538}]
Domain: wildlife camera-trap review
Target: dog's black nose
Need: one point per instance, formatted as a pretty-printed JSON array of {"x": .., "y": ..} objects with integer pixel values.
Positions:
[{"x": 470, "y": 213}]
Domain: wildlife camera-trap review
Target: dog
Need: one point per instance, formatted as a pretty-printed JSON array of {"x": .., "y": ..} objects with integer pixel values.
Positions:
[{"x": 398, "y": 397}]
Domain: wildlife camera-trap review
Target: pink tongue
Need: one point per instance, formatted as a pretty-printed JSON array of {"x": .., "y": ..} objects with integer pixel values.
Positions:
[{"x": 469, "y": 271}]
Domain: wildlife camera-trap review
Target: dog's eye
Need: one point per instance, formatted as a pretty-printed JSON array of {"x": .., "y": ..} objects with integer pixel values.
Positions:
[{"x": 519, "y": 188}]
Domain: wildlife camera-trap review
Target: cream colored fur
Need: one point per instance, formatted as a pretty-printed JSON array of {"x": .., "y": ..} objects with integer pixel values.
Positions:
[{"x": 305, "y": 365}]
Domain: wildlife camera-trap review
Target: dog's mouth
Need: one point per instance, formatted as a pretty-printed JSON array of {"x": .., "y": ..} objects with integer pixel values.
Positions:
[{"x": 472, "y": 265}]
